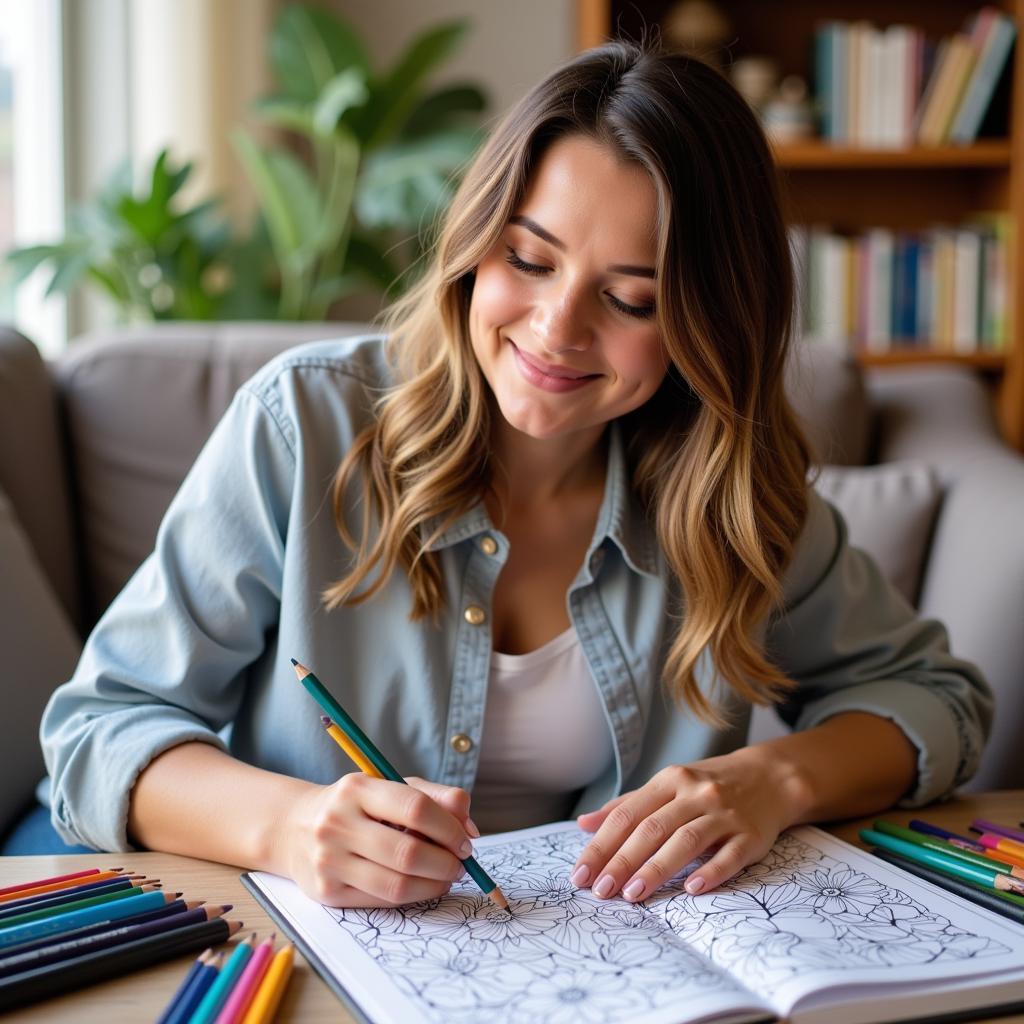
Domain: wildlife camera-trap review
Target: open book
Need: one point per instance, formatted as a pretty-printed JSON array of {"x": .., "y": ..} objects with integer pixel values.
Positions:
[{"x": 817, "y": 931}]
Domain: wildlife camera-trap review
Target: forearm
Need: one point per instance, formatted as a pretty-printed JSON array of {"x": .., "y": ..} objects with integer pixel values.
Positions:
[
  {"x": 196, "y": 800},
  {"x": 852, "y": 764}
]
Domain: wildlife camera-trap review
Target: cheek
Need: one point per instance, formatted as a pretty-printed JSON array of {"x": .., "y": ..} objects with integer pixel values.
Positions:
[
  {"x": 643, "y": 362},
  {"x": 496, "y": 297}
]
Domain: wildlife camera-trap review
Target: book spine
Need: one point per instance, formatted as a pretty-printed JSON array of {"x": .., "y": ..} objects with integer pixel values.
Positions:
[
  {"x": 982, "y": 85},
  {"x": 966, "y": 257},
  {"x": 922, "y": 114}
]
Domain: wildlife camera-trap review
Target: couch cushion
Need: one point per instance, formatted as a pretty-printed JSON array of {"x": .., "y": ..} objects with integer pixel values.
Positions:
[
  {"x": 827, "y": 391},
  {"x": 890, "y": 511},
  {"x": 40, "y": 649},
  {"x": 139, "y": 403},
  {"x": 33, "y": 470}
]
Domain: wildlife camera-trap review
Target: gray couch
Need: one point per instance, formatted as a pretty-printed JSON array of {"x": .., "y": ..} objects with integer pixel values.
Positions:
[{"x": 93, "y": 446}]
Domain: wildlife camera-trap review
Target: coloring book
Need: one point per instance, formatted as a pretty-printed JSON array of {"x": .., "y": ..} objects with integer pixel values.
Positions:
[{"x": 817, "y": 931}]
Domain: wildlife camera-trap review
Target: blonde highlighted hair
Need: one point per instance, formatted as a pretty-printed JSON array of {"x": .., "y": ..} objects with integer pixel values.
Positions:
[{"x": 716, "y": 455}]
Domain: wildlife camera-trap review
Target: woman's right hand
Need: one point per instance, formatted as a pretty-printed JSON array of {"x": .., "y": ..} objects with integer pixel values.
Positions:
[{"x": 366, "y": 842}]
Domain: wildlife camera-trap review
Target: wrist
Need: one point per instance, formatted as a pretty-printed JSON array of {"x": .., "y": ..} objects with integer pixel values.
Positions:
[
  {"x": 283, "y": 826},
  {"x": 788, "y": 777}
]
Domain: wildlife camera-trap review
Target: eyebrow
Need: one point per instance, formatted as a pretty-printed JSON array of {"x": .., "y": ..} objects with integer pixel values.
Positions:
[{"x": 616, "y": 268}]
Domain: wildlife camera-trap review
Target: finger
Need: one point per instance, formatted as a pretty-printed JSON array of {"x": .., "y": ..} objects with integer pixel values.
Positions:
[
  {"x": 653, "y": 868},
  {"x": 591, "y": 821},
  {"x": 388, "y": 887},
  {"x": 406, "y": 852},
  {"x": 453, "y": 799},
  {"x": 619, "y": 824},
  {"x": 411, "y": 808},
  {"x": 729, "y": 861}
]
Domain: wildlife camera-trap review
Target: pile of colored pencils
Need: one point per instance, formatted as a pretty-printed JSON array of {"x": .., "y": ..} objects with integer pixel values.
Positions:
[
  {"x": 59, "y": 934},
  {"x": 246, "y": 990},
  {"x": 987, "y": 869}
]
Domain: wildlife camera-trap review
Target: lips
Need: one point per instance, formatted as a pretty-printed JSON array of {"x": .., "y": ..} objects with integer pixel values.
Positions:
[{"x": 558, "y": 372}]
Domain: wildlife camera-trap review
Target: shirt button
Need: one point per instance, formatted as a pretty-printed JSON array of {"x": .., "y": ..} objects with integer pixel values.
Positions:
[
  {"x": 474, "y": 615},
  {"x": 461, "y": 743},
  {"x": 488, "y": 545}
]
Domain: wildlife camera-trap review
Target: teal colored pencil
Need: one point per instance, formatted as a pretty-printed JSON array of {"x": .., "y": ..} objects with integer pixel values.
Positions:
[
  {"x": 942, "y": 846},
  {"x": 986, "y": 876},
  {"x": 67, "y": 908},
  {"x": 60, "y": 923},
  {"x": 219, "y": 991},
  {"x": 323, "y": 697}
]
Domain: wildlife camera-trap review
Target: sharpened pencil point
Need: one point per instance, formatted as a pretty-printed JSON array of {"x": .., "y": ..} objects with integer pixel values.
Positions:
[
  {"x": 497, "y": 897},
  {"x": 294, "y": 662}
]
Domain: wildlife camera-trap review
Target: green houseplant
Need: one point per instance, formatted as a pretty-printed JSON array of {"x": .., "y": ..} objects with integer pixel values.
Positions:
[{"x": 365, "y": 161}]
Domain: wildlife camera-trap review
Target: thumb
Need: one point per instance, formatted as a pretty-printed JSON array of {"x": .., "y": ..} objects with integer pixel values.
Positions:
[{"x": 453, "y": 799}]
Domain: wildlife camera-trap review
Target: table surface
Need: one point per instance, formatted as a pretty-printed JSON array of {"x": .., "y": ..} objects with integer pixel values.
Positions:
[{"x": 141, "y": 996}]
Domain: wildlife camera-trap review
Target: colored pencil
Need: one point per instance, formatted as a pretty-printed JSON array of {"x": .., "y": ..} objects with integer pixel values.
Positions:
[
  {"x": 986, "y": 875},
  {"x": 56, "y": 878},
  {"x": 335, "y": 711},
  {"x": 991, "y": 841},
  {"x": 69, "y": 948},
  {"x": 355, "y": 754},
  {"x": 168, "y": 909},
  {"x": 949, "y": 849},
  {"x": 66, "y": 908},
  {"x": 275, "y": 981},
  {"x": 198, "y": 964},
  {"x": 107, "y": 963},
  {"x": 90, "y": 915},
  {"x": 219, "y": 991},
  {"x": 927, "y": 828},
  {"x": 248, "y": 982},
  {"x": 49, "y": 899},
  {"x": 999, "y": 902},
  {"x": 981, "y": 825},
  {"x": 182, "y": 1013},
  {"x": 67, "y": 883}
]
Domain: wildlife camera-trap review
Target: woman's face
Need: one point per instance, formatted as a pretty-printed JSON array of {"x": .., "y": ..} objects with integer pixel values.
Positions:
[{"x": 562, "y": 315}]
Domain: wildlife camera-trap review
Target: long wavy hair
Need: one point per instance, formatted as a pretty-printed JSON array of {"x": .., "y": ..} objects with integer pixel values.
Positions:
[{"x": 716, "y": 455}]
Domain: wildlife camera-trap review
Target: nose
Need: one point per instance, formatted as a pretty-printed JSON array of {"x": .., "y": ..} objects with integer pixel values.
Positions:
[{"x": 561, "y": 322}]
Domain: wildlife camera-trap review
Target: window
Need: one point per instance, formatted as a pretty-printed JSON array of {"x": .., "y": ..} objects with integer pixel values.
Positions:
[{"x": 31, "y": 159}]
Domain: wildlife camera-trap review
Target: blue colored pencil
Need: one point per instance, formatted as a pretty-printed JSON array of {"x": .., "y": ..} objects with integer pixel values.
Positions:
[
  {"x": 926, "y": 828},
  {"x": 215, "y": 998},
  {"x": 197, "y": 965},
  {"x": 79, "y": 892},
  {"x": 201, "y": 984}
]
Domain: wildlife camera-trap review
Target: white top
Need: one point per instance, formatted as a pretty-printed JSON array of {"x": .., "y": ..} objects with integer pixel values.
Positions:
[{"x": 545, "y": 736}]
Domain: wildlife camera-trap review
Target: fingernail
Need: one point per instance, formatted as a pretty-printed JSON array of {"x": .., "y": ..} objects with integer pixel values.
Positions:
[
  {"x": 694, "y": 885},
  {"x": 604, "y": 887},
  {"x": 465, "y": 848},
  {"x": 472, "y": 829},
  {"x": 581, "y": 876},
  {"x": 634, "y": 890}
]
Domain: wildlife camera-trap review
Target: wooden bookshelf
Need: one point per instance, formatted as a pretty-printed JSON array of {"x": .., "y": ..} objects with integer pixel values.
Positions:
[{"x": 855, "y": 188}]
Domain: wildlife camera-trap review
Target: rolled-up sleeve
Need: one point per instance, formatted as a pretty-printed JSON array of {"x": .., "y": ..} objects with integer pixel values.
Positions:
[
  {"x": 166, "y": 663},
  {"x": 852, "y": 643}
]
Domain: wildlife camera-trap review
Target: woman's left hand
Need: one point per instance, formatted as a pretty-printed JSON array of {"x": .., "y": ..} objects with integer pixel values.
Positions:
[{"x": 736, "y": 805}]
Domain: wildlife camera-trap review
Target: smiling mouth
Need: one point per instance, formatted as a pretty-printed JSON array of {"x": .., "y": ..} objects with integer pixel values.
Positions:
[{"x": 555, "y": 372}]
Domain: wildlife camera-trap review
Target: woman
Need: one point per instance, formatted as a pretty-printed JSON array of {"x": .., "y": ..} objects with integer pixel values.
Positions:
[{"x": 576, "y": 543}]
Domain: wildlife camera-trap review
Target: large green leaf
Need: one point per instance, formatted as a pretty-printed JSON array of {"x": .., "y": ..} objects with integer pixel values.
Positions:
[
  {"x": 403, "y": 184},
  {"x": 345, "y": 90},
  {"x": 70, "y": 266},
  {"x": 308, "y": 47},
  {"x": 398, "y": 92},
  {"x": 436, "y": 112},
  {"x": 25, "y": 260},
  {"x": 341, "y": 153},
  {"x": 286, "y": 113},
  {"x": 288, "y": 198}
]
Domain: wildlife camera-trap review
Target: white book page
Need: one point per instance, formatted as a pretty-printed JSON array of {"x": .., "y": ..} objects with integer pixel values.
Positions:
[
  {"x": 818, "y": 913},
  {"x": 561, "y": 957}
]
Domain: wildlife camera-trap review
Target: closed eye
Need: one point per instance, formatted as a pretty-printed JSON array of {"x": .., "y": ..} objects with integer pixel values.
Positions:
[{"x": 535, "y": 270}]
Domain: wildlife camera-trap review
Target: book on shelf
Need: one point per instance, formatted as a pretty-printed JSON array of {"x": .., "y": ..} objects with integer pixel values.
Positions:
[
  {"x": 942, "y": 289},
  {"x": 893, "y": 87}
]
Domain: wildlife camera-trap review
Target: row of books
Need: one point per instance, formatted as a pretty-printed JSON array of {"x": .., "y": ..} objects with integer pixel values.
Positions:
[
  {"x": 894, "y": 87},
  {"x": 943, "y": 289}
]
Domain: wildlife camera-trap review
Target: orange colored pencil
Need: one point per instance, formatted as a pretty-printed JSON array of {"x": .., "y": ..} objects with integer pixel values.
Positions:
[
  {"x": 48, "y": 881},
  {"x": 268, "y": 995},
  {"x": 361, "y": 760},
  {"x": 1003, "y": 858},
  {"x": 1008, "y": 846},
  {"x": 68, "y": 883}
]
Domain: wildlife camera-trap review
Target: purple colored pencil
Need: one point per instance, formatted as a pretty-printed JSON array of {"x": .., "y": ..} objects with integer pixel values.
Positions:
[
  {"x": 980, "y": 825},
  {"x": 104, "y": 940},
  {"x": 169, "y": 909},
  {"x": 933, "y": 830},
  {"x": 57, "y": 899}
]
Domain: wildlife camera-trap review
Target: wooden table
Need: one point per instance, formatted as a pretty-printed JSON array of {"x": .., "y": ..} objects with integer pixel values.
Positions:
[{"x": 142, "y": 995}]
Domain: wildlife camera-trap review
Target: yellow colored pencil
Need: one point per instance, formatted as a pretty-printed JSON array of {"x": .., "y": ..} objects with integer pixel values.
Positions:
[
  {"x": 360, "y": 759},
  {"x": 268, "y": 995}
]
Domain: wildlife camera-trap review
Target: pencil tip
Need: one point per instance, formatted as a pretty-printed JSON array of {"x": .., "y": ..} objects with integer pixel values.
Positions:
[
  {"x": 227, "y": 906},
  {"x": 498, "y": 897}
]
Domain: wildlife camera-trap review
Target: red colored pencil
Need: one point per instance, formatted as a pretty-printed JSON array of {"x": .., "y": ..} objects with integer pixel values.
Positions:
[{"x": 50, "y": 881}]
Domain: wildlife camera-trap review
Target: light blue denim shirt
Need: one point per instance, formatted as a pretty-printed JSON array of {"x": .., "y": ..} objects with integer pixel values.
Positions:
[{"x": 198, "y": 645}]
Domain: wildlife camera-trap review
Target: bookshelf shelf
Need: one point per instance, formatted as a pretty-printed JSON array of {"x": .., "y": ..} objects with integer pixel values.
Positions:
[
  {"x": 856, "y": 189},
  {"x": 822, "y": 156}
]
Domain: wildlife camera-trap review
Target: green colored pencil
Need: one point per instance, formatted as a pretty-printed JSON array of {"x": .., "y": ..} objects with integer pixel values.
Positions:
[
  {"x": 942, "y": 846},
  {"x": 91, "y": 901},
  {"x": 341, "y": 718},
  {"x": 987, "y": 876}
]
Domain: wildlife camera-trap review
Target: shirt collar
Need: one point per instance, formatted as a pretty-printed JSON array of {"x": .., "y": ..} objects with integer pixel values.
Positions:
[{"x": 620, "y": 519}]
